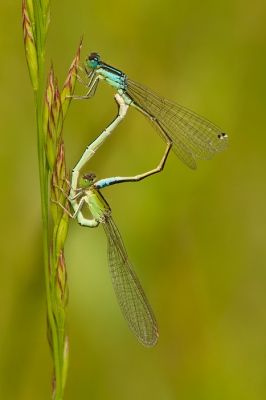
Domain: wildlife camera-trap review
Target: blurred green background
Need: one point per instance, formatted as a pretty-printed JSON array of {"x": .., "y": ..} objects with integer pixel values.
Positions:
[{"x": 196, "y": 239}]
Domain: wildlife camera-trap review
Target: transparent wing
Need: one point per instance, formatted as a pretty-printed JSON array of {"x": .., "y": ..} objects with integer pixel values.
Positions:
[
  {"x": 193, "y": 136},
  {"x": 130, "y": 295}
]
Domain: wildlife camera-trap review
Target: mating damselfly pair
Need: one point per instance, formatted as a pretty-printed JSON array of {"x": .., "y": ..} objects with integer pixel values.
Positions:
[{"x": 186, "y": 133}]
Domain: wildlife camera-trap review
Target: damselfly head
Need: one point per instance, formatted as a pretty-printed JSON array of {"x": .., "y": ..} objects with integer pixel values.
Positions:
[
  {"x": 93, "y": 60},
  {"x": 88, "y": 180}
]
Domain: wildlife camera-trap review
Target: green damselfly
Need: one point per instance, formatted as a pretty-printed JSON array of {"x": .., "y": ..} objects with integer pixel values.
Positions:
[{"x": 129, "y": 293}]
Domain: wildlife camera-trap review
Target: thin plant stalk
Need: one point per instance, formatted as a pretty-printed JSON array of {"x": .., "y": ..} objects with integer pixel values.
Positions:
[{"x": 50, "y": 112}]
